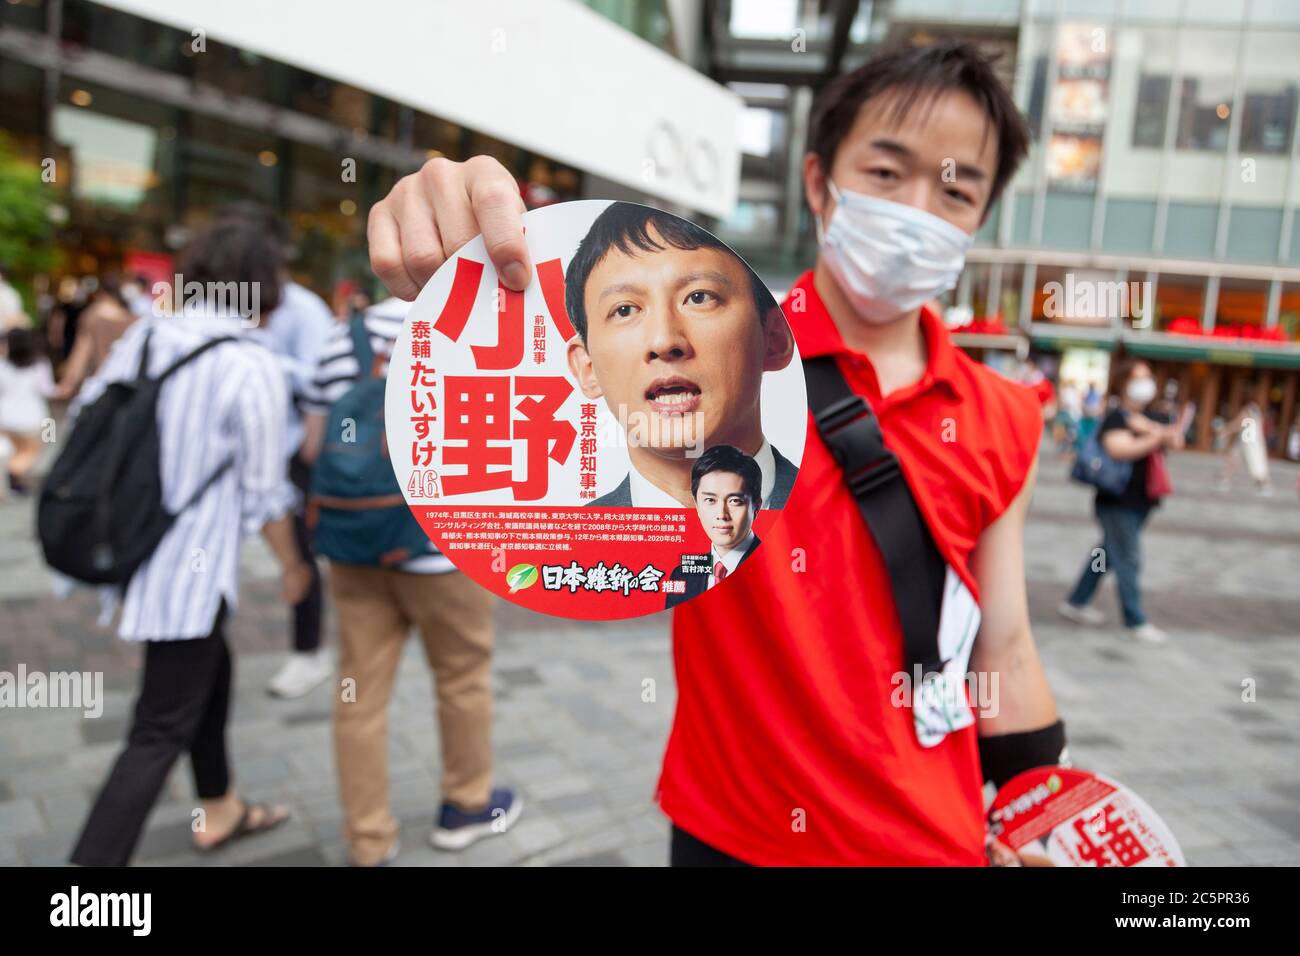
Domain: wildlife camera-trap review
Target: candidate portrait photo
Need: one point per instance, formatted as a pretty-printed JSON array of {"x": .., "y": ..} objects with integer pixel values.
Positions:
[{"x": 675, "y": 332}]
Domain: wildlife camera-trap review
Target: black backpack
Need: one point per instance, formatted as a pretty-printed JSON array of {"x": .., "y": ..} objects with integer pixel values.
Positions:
[{"x": 101, "y": 508}]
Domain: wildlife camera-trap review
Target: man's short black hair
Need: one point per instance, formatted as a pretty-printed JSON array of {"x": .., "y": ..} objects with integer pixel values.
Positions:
[
  {"x": 626, "y": 226},
  {"x": 920, "y": 73},
  {"x": 733, "y": 461}
]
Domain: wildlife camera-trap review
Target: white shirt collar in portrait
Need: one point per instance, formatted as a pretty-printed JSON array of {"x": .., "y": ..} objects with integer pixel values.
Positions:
[
  {"x": 646, "y": 494},
  {"x": 730, "y": 560}
]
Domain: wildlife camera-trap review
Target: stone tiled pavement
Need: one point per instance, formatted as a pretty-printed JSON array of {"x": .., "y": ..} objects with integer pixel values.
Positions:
[{"x": 575, "y": 736}]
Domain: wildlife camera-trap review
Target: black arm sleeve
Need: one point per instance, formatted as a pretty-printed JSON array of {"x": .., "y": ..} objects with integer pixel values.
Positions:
[{"x": 1005, "y": 755}]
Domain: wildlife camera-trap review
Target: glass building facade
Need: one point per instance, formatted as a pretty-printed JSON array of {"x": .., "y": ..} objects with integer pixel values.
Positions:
[
  {"x": 1164, "y": 144},
  {"x": 149, "y": 135},
  {"x": 1164, "y": 166},
  {"x": 1164, "y": 159}
]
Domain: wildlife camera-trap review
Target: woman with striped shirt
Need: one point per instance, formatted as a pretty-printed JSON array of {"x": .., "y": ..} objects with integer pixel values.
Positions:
[{"x": 221, "y": 425}]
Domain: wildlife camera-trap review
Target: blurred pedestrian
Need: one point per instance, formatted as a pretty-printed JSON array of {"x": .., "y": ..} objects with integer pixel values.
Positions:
[
  {"x": 295, "y": 331},
  {"x": 387, "y": 578},
  {"x": 101, "y": 324},
  {"x": 1127, "y": 433},
  {"x": 1069, "y": 413},
  {"x": 1245, "y": 440},
  {"x": 137, "y": 294},
  {"x": 26, "y": 385},
  {"x": 1033, "y": 378},
  {"x": 221, "y": 422},
  {"x": 358, "y": 302},
  {"x": 350, "y": 299},
  {"x": 1091, "y": 417},
  {"x": 71, "y": 299},
  {"x": 12, "y": 314}
]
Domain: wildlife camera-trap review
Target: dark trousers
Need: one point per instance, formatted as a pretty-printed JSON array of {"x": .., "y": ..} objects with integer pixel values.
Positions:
[
  {"x": 685, "y": 850},
  {"x": 183, "y": 703},
  {"x": 1121, "y": 544},
  {"x": 307, "y": 612}
]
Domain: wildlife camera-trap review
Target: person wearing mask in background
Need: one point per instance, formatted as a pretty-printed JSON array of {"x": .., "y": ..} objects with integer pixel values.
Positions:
[
  {"x": 786, "y": 748},
  {"x": 137, "y": 294},
  {"x": 102, "y": 323},
  {"x": 222, "y": 420},
  {"x": 1127, "y": 433},
  {"x": 26, "y": 385},
  {"x": 295, "y": 332}
]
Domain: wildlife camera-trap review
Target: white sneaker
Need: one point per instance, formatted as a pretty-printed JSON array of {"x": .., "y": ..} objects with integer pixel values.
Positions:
[
  {"x": 1147, "y": 632},
  {"x": 1081, "y": 615},
  {"x": 300, "y": 673}
]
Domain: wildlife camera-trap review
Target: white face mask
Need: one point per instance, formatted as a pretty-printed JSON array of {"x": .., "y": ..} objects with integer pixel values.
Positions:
[
  {"x": 888, "y": 257},
  {"x": 1140, "y": 391}
]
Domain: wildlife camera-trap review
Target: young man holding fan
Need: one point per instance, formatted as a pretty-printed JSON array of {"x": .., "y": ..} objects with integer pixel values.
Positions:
[{"x": 789, "y": 746}]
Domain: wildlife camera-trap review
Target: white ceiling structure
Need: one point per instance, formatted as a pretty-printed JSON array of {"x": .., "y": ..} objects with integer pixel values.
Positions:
[{"x": 551, "y": 76}]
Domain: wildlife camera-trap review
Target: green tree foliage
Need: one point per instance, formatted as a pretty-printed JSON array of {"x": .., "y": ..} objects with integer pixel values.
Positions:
[{"x": 26, "y": 231}]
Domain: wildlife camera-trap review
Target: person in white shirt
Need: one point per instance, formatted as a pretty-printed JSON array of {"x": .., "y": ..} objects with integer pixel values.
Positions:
[
  {"x": 26, "y": 384},
  {"x": 296, "y": 333},
  {"x": 1246, "y": 433},
  {"x": 221, "y": 427},
  {"x": 12, "y": 314}
]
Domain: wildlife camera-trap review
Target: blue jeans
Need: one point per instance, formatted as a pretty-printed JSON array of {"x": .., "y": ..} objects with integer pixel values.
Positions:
[{"x": 1121, "y": 546}]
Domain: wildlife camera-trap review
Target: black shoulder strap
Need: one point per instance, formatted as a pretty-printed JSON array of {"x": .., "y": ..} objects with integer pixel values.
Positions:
[
  {"x": 184, "y": 359},
  {"x": 117, "y": 452},
  {"x": 850, "y": 430},
  {"x": 143, "y": 371}
]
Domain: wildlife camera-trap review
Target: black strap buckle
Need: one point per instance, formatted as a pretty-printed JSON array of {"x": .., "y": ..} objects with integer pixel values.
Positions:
[
  {"x": 867, "y": 480},
  {"x": 852, "y": 434}
]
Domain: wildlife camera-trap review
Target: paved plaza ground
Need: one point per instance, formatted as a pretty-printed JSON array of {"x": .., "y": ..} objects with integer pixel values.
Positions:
[{"x": 575, "y": 736}]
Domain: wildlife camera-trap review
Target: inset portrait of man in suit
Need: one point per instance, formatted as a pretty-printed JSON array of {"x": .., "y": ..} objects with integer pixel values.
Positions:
[
  {"x": 675, "y": 332},
  {"x": 727, "y": 487}
]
